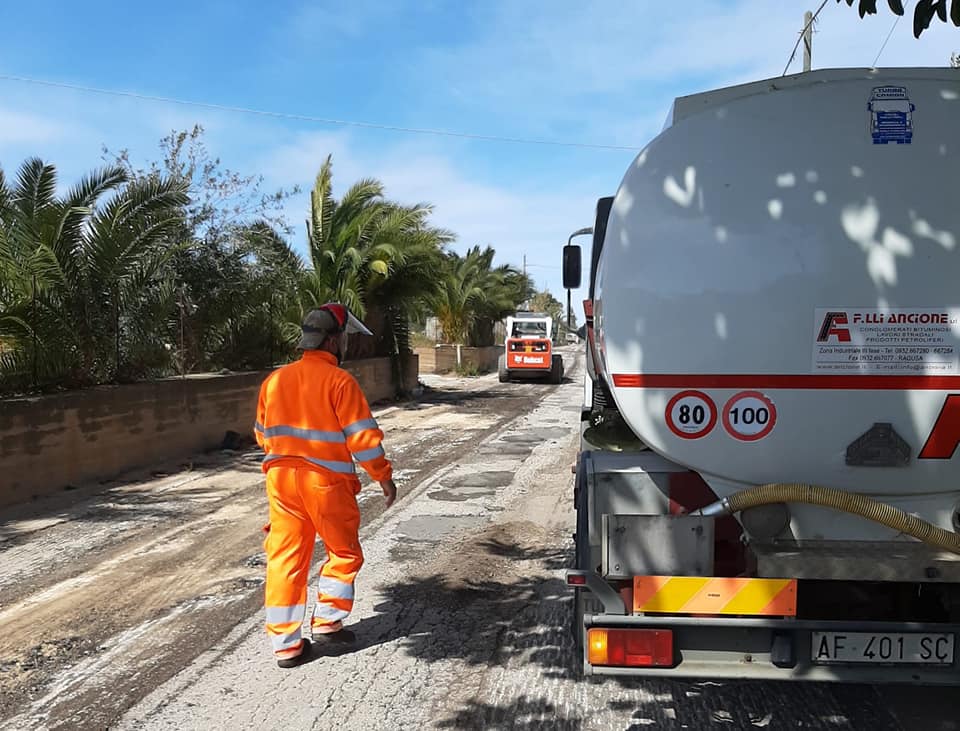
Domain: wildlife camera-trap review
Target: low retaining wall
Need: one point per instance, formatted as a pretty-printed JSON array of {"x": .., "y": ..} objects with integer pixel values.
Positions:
[
  {"x": 50, "y": 442},
  {"x": 445, "y": 358}
]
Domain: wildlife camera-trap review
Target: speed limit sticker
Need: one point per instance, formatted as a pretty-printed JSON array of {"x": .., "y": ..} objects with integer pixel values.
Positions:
[
  {"x": 691, "y": 414},
  {"x": 749, "y": 416}
]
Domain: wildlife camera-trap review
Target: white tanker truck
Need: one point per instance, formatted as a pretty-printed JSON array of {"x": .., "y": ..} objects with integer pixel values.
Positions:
[{"x": 768, "y": 485}]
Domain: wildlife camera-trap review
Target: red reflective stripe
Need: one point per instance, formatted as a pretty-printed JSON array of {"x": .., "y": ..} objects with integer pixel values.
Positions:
[{"x": 771, "y": 381}]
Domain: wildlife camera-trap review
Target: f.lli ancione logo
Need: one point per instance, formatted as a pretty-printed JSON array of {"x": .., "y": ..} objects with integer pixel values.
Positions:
[{"x": 834, "y": 325}]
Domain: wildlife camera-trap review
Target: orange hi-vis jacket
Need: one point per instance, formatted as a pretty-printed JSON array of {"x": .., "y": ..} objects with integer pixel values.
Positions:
[{"x": 313, "y": 414}]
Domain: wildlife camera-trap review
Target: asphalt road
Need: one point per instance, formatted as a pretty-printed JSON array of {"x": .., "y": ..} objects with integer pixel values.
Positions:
[{"x": 140, "y": 604}]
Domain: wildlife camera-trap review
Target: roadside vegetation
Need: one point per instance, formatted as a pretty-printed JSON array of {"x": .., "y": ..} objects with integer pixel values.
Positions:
[{"x": 186, "y": 266}]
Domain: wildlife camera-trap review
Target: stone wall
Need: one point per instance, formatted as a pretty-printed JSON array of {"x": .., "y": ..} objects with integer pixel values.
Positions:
[
  {"x": 445, "y": 358},
  {"x": 50, "y": 442}
]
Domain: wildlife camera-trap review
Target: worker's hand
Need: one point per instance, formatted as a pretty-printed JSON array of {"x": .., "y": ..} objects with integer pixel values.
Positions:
[{"x": 389, "y": 491}]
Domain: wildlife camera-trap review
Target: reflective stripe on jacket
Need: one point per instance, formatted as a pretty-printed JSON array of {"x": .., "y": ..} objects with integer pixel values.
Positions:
[{"x": 314, "y": 413}]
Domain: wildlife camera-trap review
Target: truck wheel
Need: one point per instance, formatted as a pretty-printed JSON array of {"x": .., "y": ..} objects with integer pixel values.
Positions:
[
  {"x": 556, "y": 370},
  {"x": 502, "y": 372}
]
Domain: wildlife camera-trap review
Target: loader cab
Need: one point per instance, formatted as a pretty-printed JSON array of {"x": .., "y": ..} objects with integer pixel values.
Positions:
[{"x": 535, "y": 329}]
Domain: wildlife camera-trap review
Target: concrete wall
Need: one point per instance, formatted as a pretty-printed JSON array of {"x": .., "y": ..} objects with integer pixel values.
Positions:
[
  {"x": 428, "y": 359},
  {"x": 50, "y": 442},
  {"x": 444, "y": 358},
  {"x": 375, "y": 376}
]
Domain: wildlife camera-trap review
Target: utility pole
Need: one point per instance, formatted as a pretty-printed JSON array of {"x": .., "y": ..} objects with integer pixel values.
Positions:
[
  {"x": 807, "y": 40},
  {"x": 526, "y": 302}
]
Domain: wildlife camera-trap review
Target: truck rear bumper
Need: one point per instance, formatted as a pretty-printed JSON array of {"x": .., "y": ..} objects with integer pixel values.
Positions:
[{"x": 771, "y": 649}]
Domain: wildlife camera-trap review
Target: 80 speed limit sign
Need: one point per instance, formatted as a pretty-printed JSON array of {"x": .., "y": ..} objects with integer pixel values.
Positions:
[
  {"x": 691, "y": 414},
  {"x": 749, "y": 416}
]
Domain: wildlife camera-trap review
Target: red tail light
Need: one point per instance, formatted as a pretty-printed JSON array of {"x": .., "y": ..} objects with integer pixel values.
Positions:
[{"x": 632, "y": 648}]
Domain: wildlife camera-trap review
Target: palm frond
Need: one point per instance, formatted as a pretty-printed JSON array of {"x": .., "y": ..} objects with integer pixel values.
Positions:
[{"x": 36, "y": 188}]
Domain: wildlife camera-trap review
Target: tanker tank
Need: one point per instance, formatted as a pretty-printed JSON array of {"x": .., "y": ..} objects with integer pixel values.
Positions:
[{"x": 778, "y": 293}]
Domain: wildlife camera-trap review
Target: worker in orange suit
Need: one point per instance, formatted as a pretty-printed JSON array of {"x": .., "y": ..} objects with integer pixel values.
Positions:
[{"x": 313, "y": 421}]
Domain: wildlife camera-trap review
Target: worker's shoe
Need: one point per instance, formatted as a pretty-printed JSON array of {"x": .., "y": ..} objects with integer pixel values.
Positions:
[
  {"x": 332, "y": 634},
  {"x": 291, "y": 661}
]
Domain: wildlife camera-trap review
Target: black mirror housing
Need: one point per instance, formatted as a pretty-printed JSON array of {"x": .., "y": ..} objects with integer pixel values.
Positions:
[{"x": 571, "y": 266}]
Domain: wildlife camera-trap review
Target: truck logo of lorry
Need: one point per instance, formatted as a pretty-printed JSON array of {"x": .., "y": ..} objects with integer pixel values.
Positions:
[
  {"x": 891, "y": 115},
  {"x": 833, "y": 324}
]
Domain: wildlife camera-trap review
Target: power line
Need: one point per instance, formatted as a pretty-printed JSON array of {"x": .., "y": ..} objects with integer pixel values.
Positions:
[
  {"x": 803, "y": 33},
  {"x": 309, "y": 118},
  {"x": 887, "y": 39}
]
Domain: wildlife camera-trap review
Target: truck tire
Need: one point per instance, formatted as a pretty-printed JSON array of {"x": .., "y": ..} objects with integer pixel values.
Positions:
[
  {"x": 502, "y": 373},
  {"x": 556, "y": 370}
]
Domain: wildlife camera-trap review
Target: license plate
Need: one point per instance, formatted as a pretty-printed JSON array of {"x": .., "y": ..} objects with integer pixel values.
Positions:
[{"x": 881, "y": 648}]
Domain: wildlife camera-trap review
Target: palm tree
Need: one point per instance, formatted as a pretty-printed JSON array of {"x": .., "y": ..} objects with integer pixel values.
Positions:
[
  {"x": 505, "y": 289},
  {"x": 339, "y": 234},
  {"x": 377, "y": 257},
  {"x": 460, "y": 292},
  {"x": 75, "y": 269},
  {"x": 473, "y": 295}
]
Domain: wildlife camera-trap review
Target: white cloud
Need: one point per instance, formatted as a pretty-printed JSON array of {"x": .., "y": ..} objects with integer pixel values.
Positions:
[{"x": 17, "y": 128}]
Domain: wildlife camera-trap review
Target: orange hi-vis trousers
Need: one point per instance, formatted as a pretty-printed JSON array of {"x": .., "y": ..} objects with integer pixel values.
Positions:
[{"x": 305, "y": 503}]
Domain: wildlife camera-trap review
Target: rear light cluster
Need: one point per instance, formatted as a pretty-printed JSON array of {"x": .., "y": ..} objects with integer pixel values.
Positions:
[
  {"x": 538, "y": 346},
  {"x": 631, "y": 648}
]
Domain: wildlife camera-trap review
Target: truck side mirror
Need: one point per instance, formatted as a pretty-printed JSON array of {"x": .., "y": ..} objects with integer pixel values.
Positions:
[{"x": 571, "y": 266}]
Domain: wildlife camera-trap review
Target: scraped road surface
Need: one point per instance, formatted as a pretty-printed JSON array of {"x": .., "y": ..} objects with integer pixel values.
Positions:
[{"x": 138, "y": 605}]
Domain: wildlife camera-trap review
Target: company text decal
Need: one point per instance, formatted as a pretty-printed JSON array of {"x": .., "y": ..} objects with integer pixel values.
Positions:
[{"x": 896, "y": 342}]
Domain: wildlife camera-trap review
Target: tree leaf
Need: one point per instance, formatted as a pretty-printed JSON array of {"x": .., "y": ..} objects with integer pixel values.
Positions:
[{"x": 923, "y": 15}]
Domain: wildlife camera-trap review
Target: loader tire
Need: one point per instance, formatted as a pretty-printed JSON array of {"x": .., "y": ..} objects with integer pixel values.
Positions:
[{"x": 556, "y": 370}]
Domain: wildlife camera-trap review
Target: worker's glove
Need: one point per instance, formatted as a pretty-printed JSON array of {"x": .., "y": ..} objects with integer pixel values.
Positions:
[{"x": 389, "y": 491}]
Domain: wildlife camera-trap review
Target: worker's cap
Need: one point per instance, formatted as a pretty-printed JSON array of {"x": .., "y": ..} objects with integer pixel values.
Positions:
[{"x": 329, "y": 319}]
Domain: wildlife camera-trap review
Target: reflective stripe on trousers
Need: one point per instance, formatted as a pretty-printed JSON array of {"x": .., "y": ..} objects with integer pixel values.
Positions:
[
  {"x": 329, "y": 615},
  {"x": 283, "y": 615},
  {"x": 334, "y": 588},
  {"x": 285, "y": 642}
]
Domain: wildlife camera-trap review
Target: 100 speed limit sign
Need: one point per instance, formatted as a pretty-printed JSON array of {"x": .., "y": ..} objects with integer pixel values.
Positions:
[
  {"x": 691, "y": 414},
  {"x": 749, "y": 416}
]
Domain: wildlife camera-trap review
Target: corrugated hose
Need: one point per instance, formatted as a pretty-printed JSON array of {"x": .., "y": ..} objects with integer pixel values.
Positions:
[{"x": 847, "y": 502}]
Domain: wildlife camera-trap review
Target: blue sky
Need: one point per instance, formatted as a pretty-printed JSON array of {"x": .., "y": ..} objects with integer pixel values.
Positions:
[{"x": 599, "y": 72}]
